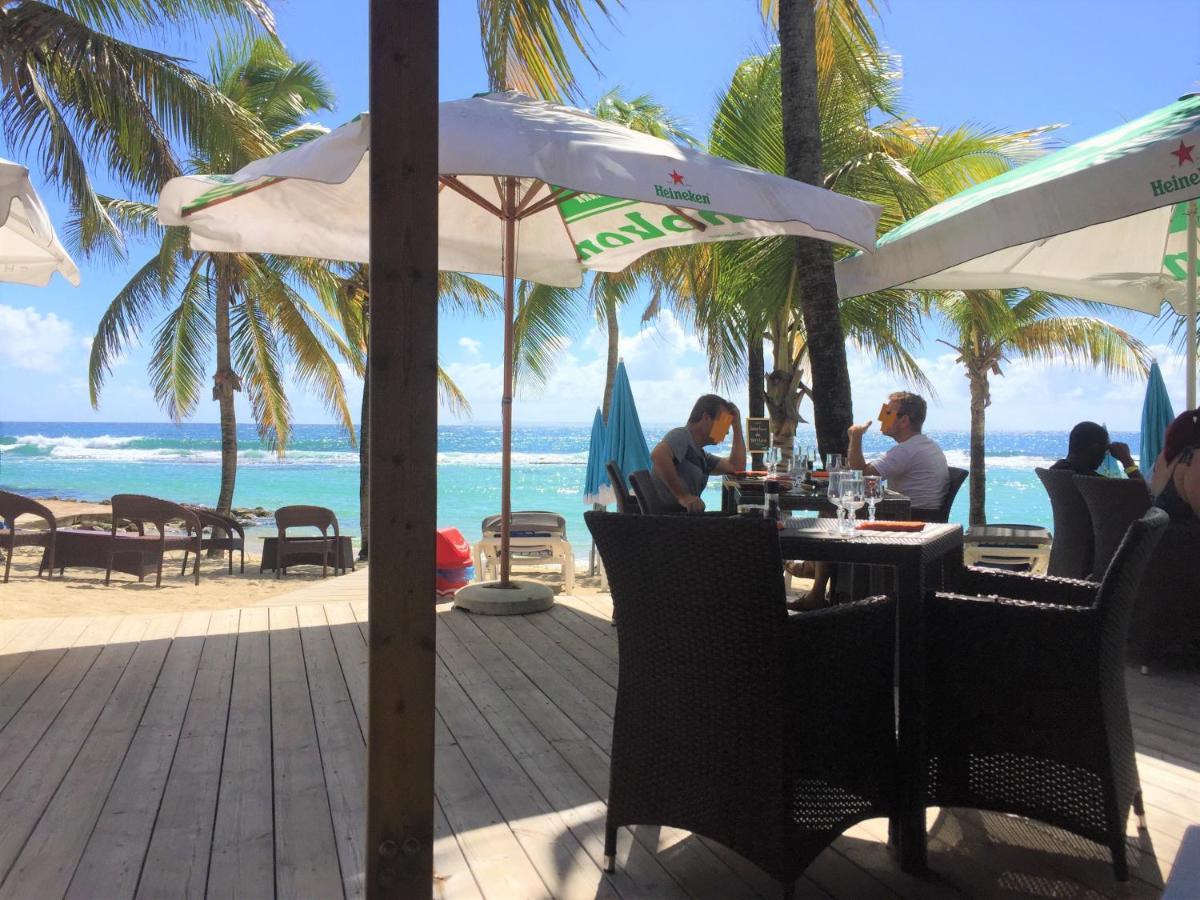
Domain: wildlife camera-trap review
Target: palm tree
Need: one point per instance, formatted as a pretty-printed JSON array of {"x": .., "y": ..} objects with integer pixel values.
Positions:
[
  {"x": 739, "y": 294},
  {"x": 73, "y": 92},
  {"x": 990, "y": 327},
  {"x": 351, "y": 302},
  {"x": 251, "y": 309}
]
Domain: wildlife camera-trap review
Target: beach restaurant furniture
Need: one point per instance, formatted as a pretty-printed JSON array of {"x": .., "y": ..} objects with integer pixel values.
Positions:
[
  {"x": 1074, "y": 545},
  {"x": 942, "y": 513},
  {"x": 1166, "y": 619},
  {"x": 537, "y": 538},
  {"x": 140, "y": 510},
  {"x": 1015, "y": 548},
  {"x": 308, "y": 549},
  {"x": 626, "y": 502},
  {"x": 1113, "y": 505},
  {"x": 768, "y": 733},
  {"x": 12, "y": 506},
  {"x": 215, "y": 522},
  {"x": 1025, "y": 686}
]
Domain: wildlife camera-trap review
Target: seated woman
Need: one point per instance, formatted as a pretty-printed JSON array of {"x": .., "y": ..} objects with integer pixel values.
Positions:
[{"x": 1176, "y": 481}]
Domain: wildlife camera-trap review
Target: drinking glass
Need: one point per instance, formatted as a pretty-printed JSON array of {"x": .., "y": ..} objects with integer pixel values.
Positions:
[
  {"x": 835, "y": 495},
  {"x": 833, "y": 462},
  {"x": 873, "y": 492},
  {"x": 852, "y": 496},
  {"x": 771, "y": 457}
]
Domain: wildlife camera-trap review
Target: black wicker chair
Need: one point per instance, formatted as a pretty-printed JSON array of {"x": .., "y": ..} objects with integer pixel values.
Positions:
[
  {"x": 649, "y": 500},
  {"x": 1113, "y": 505},
  {"x": 1166, "y": 619},
  {"x": 626, "y": 502},
  {"x": 942, "y": 513},
  {"x": 1026, "y": 699},
  {"x": 767, "y": 733},
  {"x": 1074, "y": 544}
]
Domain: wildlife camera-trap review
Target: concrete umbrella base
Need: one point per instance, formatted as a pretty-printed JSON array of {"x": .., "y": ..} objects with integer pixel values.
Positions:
[{"x": 519, "y": 598}]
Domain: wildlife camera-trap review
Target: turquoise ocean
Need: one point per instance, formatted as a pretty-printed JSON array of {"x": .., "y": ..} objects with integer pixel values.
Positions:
[{"x": 92, "y": 461}]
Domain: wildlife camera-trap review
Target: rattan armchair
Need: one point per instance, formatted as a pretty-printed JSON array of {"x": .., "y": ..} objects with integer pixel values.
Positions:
[
  {"x": 12, "y": 506},
  {"x": 1113, "y": 504},
  {"x": 140, "y": 510},
  {"x": 626, "y": 502},
  {"x": 1026, "y": 710},
  {"x": 956, "y": 477},
  {"x": 1074, "y": 546},
  {"x": 765, "y": 732}
]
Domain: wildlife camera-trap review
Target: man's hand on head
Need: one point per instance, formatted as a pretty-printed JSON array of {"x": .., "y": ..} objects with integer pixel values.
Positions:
[
  {"x": 857, "y": 430},
  {"x": 1120, "y": 452}
]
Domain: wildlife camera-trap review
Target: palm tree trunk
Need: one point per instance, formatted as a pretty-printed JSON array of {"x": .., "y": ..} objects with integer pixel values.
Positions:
[
  {"x": 980, "y": 395},
  {"x": 610, "y": 374},
  {"x": 832, "y": 408},
  {"x": 225, "y": 382},
  {"x": 364, "y": 462},
  {"x": 756, "y": 369}
]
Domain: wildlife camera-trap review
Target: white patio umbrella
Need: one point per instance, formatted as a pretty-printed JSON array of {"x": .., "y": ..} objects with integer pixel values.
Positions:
[
  {"x": 1111, "y": 218},
  {"x": 29, "y": 249},
  {"x": 569, "y": 193}
]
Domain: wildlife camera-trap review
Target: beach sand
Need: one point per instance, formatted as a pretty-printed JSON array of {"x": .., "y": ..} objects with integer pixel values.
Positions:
[{"x": 82, "y": 592}]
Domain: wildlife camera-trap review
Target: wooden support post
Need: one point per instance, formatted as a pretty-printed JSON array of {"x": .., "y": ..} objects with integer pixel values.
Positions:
[{"x": 403, "y": 451}]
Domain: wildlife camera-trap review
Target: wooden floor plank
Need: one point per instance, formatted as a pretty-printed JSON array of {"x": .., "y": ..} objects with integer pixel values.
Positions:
[
  {"x": 26, "y": 795},
  {"x": 306, "y": 860},
  {"x": 117, "y": 846},
  {"x": 84, "y": 636},
  {"x": 20, "y": 641},
  {"x": 243, "y": 849},
  {"x": 177, "y": 858},
  {"x": 452, "y": 878},
  {"x": 351, "y": 649},
  {"x": 343, "y": 749},
  {"x": 47, "y": 862}
]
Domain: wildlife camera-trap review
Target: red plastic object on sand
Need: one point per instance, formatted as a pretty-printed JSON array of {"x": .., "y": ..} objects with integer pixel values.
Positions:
[{"x": 454, "y": 569}]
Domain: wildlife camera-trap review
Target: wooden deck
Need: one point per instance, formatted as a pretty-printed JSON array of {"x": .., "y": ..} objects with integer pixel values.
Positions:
[{"x": 222, "y": 753}]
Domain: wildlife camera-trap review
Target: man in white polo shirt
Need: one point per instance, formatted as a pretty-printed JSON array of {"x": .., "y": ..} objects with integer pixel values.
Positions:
[{"x": 916, "y": 466}]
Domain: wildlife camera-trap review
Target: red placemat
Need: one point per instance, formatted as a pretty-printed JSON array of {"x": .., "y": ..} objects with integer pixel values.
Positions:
[{"x": 890, "y": 525}]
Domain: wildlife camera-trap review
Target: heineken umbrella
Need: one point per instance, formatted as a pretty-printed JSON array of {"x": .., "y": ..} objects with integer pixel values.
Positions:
[
  {"x": 527, "y": 189},
  {"x": 29, "y": 249},
  {"x": 1157, "y": 414},
  {"x": 1111, "y": 218},
  {"x": 596, "y": 489}
]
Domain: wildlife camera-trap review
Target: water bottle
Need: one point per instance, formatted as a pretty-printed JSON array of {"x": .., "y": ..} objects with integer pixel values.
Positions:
[{"x": 774, "y": 510}]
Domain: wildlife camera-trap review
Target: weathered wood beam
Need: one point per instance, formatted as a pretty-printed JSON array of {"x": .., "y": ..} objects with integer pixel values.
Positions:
[{"x": 403, "y": 452}]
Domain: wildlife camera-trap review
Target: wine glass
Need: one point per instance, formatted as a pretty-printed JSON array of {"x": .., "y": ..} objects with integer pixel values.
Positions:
[
  {"x": 852, "y": 496},
  {"x": 835, "y": 495},
  {"x": 873, "y": 492},
  {"x": 833, "y": 462},
  {"x": 771, "y": 457}
]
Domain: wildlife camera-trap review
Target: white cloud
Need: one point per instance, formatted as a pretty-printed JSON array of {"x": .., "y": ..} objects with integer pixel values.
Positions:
[
  {"x": 35, "y": 341},
  {"x": 470, "y": 345}
]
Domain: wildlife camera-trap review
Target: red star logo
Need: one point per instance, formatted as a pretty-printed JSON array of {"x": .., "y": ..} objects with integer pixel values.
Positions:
[
  {"x": 676, "y": 178},
  {"x": 1184, "y": 153}
]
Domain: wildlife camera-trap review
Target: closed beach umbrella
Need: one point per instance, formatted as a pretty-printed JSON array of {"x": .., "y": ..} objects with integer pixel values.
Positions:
[
  {"x": 596, "y": 489},
  {"x": 626, "y": 442},
  {"x": 527, "y": 189},
  {"x": 29, "y": 249},
  {"x": 1111, "y": 218},
  {"x": 1156, "y": 416}
]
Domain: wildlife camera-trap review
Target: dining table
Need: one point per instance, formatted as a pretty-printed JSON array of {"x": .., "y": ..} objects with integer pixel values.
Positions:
[
  {"x": 740, "y": 488},
  {"x": 924, "y": 560}
]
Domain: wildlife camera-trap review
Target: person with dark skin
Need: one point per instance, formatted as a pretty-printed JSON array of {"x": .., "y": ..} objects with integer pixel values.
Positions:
[
  {"x": 1086, "y": 447},
  {"x": 681, "y": 465}
]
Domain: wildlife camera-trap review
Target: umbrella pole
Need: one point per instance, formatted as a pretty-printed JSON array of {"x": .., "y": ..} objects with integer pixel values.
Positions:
[
  {"x": 1191, "y": 305},
  {"x": 510, "y": 241}
]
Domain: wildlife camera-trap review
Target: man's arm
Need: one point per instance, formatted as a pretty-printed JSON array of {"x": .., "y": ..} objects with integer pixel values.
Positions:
[
  {"x": 663, "y": 459},
  {"x": 1120, "y": 452},
  {"x": 736, "y": 462},
  {"x": 855, "y": 459}
]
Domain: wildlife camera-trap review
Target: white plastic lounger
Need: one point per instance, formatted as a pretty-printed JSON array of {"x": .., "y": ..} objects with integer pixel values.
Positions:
[{"x": 537, "y": 538}]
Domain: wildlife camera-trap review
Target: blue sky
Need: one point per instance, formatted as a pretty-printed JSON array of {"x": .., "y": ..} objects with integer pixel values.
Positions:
[{"x": 1002, "y": 63}]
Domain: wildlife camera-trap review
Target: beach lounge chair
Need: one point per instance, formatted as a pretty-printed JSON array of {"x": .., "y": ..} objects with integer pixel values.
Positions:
[
  {"x": 536, "y": 537},
  {"x": 302, "y": 549},
  {"x": 234, "y": 539},
  {"x": 1025, "y": 695},
  {"x": 140, "y": 510},
  {"x": 12, "y": 506},
  {"x": 1074, "y": 545},
  {"x": 768, "y": 733}
]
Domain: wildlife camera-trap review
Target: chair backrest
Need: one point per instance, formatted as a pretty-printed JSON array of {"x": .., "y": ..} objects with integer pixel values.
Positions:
[
  {"x": 626, "y": 502},
  {"x": 210, "y": 518},
  {"x": 1074, "y": 545},
  {"x": 141, "y": 509},
  {"x": 700, "y": 606},
  {"x": 1113, "y": 504},
  {"x": 942, "y": 514},
  {"x": 306, "y": 517},
  {"x": 533, "y": 522},
  {"x": 14, "y": 505},
  {"x": 648, "y": 497}
]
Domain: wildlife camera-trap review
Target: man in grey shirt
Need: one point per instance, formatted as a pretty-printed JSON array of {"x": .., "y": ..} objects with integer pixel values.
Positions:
[{"x": 682, "y": 465}]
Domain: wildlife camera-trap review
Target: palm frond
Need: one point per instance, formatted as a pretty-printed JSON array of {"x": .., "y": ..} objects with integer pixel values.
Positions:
[
  {"x": 182, "y": 346},
  {"x": 544, "y": 321}
]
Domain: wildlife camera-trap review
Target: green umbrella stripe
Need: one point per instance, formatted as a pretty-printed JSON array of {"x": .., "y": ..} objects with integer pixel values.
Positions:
[{"x": 224, "y": 192}]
